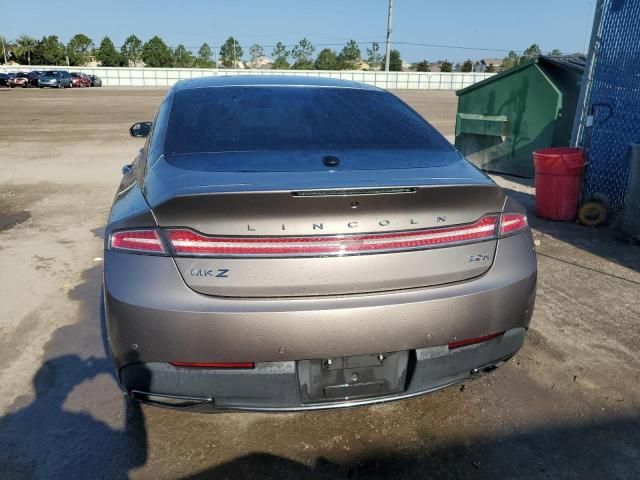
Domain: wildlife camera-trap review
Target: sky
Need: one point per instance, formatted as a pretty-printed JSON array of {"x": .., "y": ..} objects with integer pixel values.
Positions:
[{"x": 495, "y": 25}]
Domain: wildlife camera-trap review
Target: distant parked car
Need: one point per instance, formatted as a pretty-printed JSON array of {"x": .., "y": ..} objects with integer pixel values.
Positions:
[
  {"x": 95, "y": 80},
  {"x": 79, "y": 80},
  {"x": 55, "y": 79},
  {"x": 21, "y": 79},
  {"x": 34, "y": 75},
  {"x": 4, "y": 80}
]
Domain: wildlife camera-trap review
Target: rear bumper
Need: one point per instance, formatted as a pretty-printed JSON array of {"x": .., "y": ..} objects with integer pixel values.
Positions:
[
  {"x": 154, "y": 318},
  {"x": 274, "y": 386}
]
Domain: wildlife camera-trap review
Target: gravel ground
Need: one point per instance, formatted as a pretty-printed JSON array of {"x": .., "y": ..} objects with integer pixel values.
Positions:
[{"x": 567, "y": 406}]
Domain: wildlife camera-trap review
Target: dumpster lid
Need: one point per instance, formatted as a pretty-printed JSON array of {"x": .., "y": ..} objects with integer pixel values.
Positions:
[
  {"x": 498, "y": 76},
  {"x": 574, "y": 63}
]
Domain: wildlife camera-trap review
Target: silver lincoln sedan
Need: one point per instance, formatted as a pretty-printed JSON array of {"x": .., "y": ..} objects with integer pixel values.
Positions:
[{"x": 292, "y": 243}]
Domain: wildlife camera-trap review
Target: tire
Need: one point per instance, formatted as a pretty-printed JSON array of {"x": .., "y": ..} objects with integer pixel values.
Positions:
[
  {"x": 60, "y": 85},
  {"x": 593, "y": 214}
]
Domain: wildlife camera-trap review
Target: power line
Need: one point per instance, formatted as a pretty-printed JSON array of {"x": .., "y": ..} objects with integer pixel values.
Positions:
[
  {"x": 459, "y": 47},
  {"x": 370, "y": 42},
  {"x": 413, "y": 44}
]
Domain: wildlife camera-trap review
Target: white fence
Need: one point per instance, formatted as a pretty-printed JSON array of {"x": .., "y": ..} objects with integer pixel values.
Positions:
[{"x": 162, "y": 77}]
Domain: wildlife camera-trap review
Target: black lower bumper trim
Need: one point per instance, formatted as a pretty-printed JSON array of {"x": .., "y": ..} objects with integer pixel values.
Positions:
[{"x": 169, "y": 401}]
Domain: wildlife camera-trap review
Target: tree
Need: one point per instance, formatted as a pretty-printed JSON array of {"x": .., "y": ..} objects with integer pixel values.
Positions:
[
  {"x": 204, "y": 56},
  {"x": 281, "y": 55},
  {"x": 5, "y": 45},
  {"x": 532, "y": 52},
  {"x": 491, "y": 68},
  {"x": 374, "y": 57},
  {"x": 446, "y": 66},
  {"x": 423, "y": 66},
  {"x": 280, "y": 63},
  {"x": 349, "y": 56},
  {"x": 327, "y": 60},
  {"x": 510, "y": 61},
  {"x": 79, "y": 48},
  {"x": 395, "y": 62},
  {"x": 230, "y": 53},
  {"x": 107, "y": 54},
  {"x": 182, "y": 58},
  {"x": 255, "y": 51},
  {"x": 555, "y": 52},
  {"x": 131, "y": 51},
  {"x": 49, "y": 51},
  {"x": 467, "y": 66},
  {"x": 302, "y": 53},
  {"x": 155, "y": 53},
  {"x": 24, "y": 47}
]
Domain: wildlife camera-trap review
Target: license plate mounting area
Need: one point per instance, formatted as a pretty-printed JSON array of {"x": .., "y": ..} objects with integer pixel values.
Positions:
[{"x": 352, "y": 377}]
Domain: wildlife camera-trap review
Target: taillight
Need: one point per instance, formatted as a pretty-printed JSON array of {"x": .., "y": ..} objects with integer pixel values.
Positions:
[
  {"x": 216, "y": 365},
  {"x": 512, "y": 223},
  {"x": 143, "y": 241},
  {"x": 187, "y": 242}
]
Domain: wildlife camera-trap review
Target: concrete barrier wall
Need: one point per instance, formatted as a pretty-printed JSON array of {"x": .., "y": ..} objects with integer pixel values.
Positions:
[{"x": 162, "y": 77}]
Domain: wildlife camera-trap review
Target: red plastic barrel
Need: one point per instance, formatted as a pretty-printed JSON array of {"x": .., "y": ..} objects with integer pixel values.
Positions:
[{"x": 558, "y": 172}]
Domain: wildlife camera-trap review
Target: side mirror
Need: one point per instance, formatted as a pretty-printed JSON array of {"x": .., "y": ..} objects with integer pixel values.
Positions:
[{"x": 140, "y": 129}]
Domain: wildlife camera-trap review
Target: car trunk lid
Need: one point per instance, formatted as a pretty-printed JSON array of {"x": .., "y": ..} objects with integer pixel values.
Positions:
[{"x": 316, "y": 233}]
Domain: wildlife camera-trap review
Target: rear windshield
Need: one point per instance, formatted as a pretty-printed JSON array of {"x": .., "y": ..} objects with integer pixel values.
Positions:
[{"x": 275, "y": 118}]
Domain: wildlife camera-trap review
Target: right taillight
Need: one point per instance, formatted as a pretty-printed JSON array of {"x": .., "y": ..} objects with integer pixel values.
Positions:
[
  {"x": 141, "y": 241},
  {"x": 511, "y": 223}
]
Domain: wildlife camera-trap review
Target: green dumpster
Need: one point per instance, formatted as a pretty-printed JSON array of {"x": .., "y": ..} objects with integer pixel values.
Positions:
[{"x": 503, "y": 119}]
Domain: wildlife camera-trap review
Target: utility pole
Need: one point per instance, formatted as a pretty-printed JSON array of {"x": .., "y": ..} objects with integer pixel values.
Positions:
[
  {"x": 4, "y": 51},
  {"x": 389, "y": 14},
  {"x": 215, "y": 48}
]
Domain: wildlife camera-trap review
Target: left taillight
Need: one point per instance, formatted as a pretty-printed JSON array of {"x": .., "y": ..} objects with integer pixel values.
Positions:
[{"x": 137, "y": 241}]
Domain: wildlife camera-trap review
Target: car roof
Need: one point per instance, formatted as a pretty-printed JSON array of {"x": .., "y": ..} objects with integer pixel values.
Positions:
[{"x": 269, "y": 81}]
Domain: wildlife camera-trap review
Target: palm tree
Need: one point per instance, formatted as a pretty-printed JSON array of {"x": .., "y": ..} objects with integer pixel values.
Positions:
[
  {"x": 24, "y": 46},
  {"x": 6, "y": 48}
]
